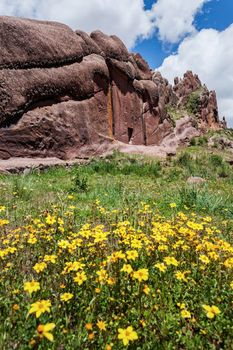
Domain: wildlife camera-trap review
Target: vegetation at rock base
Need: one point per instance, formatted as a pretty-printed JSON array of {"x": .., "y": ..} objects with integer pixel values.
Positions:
[
  {"x": 119, "y": 253},
  {"x": 176, "y": 113},
  {"x": 193, "y": 103}
]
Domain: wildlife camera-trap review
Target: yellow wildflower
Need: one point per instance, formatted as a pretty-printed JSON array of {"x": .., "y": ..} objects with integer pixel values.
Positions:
[
  {"x": 228, "y": 263},
  {"x": 44, "y": 330},
  {"x": 50, "y": 258},
  {"x": 132, "y": 254},
  {"x": 72, "y": 266},
  {"x": 146, "y": 289},
  {"x": 31, "y": 287},
  {"x": 170, "y": 260},
  {"x": 16, "y": 307},
  {"x": 111, "y": 281},
  {"x": 181, "y": 276},
  {"x": 127, "y": 335},
  {"x": 204, "y": 259},
  {"x": 15, "y": 291},
  {"x": 185, "y": 313},
  {"x": 2, "y": 208},
  {"x": 4, "y": 222},
  {"x": 136, "y": 243},
  {"x": 127, "y": 268},
  {"x": 32, "y": 240},
  {"x": 172, "y": 205},
  {"x": 40, "y": 307},
  {"x": 103, "y": 275},
  {"x": 141, "y": 275},
  {"x": 80, "y": 278},
  {"x": 50, "y": 220},
  {"x": 162, "y": 247},
  {"x": 66, "y": 296},
  {"x": 161, "y": 266},
  {"x": 63, "y": 243},
  {"x": 39, "y": 267},
  {"x": 207, "y": 219},
  {"x": 88, "y": 326},
  {"x": 101, "y": 325},
  {"x": 91, "y": 336},
  {"x": 181, "y": 305},
  {"x": 211, "y": 311},
  {"x": 119, "y": 255}
]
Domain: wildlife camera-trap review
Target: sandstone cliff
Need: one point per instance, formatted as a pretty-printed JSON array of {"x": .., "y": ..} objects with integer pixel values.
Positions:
[{"x": 67, "y": 94}]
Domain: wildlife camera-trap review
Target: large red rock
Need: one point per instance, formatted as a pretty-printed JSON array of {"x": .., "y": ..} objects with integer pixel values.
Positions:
[{"x": 68, "y": 94}]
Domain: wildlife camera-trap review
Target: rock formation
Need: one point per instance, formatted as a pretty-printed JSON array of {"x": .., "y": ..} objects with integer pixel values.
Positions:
[
  {"x": 68, "y": 94},
  {"x": 191, "y": 93},
  {"x": 65, "y": 93}
]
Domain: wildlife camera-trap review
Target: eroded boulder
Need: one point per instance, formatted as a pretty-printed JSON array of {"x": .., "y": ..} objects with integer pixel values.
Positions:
[{"x": 27, "y": 43}]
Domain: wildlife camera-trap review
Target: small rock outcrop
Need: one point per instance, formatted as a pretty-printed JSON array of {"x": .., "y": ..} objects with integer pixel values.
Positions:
[
  {"x": 220, "y": 142},
  {"x": 68, "y": 94},
  {"x": 184, "y": 87},
  {"x": 182, "y": 133},
  {"x": 195, "y": 180}
]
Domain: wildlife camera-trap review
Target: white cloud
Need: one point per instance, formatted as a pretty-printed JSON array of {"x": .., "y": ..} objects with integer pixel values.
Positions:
[
  {"x": 126, "y": 18},
  {"x": 209, "y": 53},
  {"x": 174, "y": 18}
]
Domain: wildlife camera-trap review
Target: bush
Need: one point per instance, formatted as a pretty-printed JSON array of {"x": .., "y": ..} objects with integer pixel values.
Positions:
[
  {"x": 79, "y": 183},
  {"x": 193, "y": 103},
  {"x": 193, "y": 141},
  {"x": 184, "y": 159},
  {"x": 201, "y": 199},
  {"x": 202, "y": 140},
  {"x": 125, "y": 167},
  {"x": 216, "y": 160}
]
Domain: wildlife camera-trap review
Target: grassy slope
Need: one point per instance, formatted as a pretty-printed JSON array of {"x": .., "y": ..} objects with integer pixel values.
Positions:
[{"x": 125, "y": 180}]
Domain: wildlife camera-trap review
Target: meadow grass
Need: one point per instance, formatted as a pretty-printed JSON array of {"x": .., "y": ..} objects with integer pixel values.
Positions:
[{"x": 119, "y": 253}]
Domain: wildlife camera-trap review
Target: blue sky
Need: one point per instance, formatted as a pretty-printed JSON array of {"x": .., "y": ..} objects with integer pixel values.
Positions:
[
  {"x": 172, "y": 35},
  {"x": 217, "y": 14}
]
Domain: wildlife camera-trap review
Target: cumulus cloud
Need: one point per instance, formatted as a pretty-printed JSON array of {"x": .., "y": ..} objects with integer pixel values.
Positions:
[
  {"x": 126, "y": 18},
  {"x": 209, "y": 53},
  {"x": 174, "y": 18}
]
